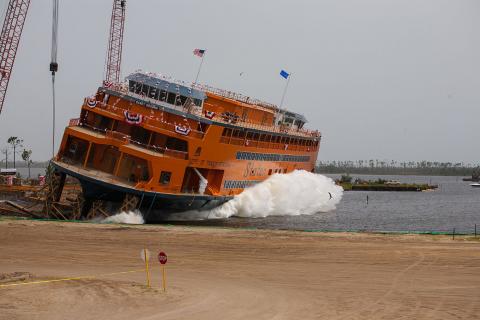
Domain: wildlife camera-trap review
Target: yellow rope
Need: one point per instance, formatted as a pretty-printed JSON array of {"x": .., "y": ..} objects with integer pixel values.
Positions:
[{"x": 67, "y": 279}]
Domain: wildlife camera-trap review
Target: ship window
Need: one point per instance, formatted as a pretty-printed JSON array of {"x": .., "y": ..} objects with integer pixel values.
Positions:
[
  {"x": 255, "y": 136},
  {"x": 179, "y": 100},
  {"x": 171, "y": 98},
  {"x": 183, "y": 100},
  {"x": 153, "y": 93},
  {"x": 197, "y": 102},
  {"x": 102, "y": 123},
  {"x": 139, "y": 135},
  {"x": 144, "y": 91},
  {"x": 131, "y": 86},
  {"x": 165, "y": 177},
  {"x": 227, "y": 132},
  {"x": 270, "y": 172},
  {"x": 163, "y": 95},
  {"x": 135, "y": 87},
  {"x": 176, "y": 144}
]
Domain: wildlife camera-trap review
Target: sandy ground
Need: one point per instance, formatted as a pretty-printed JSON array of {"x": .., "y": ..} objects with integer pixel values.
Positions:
[{"x": 234, "y": 274}]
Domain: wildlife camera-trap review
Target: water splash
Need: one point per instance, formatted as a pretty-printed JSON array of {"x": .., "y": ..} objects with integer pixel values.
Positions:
[
  {"x": 296, "y": 193},
  {"x": 132, "y": 217}
]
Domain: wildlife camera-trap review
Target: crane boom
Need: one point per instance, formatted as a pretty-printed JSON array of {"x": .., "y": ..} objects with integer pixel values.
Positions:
[
  {"x": 115, "y": 43},
  {"x": 9, "y": 40}
]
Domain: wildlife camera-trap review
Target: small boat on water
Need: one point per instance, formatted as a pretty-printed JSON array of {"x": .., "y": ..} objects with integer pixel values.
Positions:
[{"x": 475, "y": 185}]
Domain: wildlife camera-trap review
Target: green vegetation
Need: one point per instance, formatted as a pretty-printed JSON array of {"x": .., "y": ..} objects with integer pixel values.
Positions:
[
  {"x": 26, "y": 155},
  {"x": 15, "y": 143},
  {"x": 380, "y": 185},
  {"x": 377, "y": 167},
  {"x": 12, "y": 148}
]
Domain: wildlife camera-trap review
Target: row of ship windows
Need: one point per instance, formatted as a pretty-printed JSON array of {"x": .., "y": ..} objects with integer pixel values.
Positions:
[
  {"x": 271, "y": 157},
  {"x": 232, "y": 184},
  {"x": 265, "y": 137},
  {"x": 159, "y": 94}
]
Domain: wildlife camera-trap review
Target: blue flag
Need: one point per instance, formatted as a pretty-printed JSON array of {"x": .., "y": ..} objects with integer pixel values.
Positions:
[{"x": 284, "y": 74}]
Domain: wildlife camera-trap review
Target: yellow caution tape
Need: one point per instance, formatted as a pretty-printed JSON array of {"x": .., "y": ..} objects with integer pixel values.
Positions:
[{"x": 68, "y": 279}]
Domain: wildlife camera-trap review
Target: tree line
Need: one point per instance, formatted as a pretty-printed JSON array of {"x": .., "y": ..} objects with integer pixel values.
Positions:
[
  {"x": 14, "y": 148},
  {"x": 393, "y": 167}
]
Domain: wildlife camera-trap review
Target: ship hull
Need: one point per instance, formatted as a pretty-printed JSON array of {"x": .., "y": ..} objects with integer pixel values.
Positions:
[{"x": 154, "y": 206}]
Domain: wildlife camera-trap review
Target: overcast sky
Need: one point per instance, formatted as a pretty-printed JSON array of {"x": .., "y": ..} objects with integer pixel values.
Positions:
[{"x": 381, "y": 79}]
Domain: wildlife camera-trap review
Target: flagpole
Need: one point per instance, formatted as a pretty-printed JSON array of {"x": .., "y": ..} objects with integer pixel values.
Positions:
[
  {"x": 283, "y": 97},
  {"x": 200, "y": 68}
]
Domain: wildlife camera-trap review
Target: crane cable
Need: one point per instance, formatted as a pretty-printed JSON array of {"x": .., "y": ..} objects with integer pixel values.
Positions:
[{"x": 54, "y": 67}]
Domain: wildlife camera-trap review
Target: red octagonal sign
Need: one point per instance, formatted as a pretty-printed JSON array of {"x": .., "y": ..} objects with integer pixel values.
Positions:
[{"x": 162, "y": 257}]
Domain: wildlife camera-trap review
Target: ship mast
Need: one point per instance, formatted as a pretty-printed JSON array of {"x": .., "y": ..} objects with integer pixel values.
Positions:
[
  {"x": 115, "y": 43},
  {"x": 15, "y": 16}
]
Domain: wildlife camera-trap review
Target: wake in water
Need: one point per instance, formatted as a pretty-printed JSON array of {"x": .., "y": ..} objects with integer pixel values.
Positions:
[
  {"x": 292, "y": 194},
  {"x": 132, "y": 217}
]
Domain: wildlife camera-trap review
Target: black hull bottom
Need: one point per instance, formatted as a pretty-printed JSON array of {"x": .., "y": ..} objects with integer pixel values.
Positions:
[{"x": 155, "y": 207}]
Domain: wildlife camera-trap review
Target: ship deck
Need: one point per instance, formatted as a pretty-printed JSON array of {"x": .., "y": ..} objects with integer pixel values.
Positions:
[
  {"x": 114, "y": 182},
  {"x": 197, "y": 114}
]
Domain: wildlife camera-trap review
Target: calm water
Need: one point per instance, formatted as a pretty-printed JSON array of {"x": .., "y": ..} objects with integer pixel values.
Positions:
[
  {"x": 34, "y": 172},
  {"x": 454, "y": 205}
]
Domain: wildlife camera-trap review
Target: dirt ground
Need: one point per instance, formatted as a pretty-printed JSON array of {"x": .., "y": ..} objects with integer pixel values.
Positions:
[{"x": 215, "y": 273}]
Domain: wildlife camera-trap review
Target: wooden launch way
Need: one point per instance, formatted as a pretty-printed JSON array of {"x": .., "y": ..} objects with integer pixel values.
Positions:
[{"x": 55, "y": 200}]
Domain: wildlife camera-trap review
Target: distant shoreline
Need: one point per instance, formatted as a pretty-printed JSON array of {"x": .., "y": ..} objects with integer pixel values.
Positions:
[{"x": 392, "y": 173}]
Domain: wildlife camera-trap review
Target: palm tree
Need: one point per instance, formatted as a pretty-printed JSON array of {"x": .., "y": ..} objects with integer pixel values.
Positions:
[
  {"x": 14, "y": 142},
  {"x": 26, "y": 155}
]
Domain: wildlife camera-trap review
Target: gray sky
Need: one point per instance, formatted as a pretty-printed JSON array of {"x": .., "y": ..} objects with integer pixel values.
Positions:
[{"x": 386, "y": 79}]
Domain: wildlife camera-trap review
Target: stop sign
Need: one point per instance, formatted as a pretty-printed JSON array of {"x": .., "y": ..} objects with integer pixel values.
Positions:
[{"x": 162, "y": 257}]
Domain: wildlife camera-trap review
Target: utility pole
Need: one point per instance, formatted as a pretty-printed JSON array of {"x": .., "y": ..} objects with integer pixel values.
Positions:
[{"x": 5, "y": 152}]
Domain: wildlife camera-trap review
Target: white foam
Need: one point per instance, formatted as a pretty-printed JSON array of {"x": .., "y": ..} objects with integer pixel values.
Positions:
[
  {"x": 132, "y": 217},
  {"x": 296, "y": 193}
]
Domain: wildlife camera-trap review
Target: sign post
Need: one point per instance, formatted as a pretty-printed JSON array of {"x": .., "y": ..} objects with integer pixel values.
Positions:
[
  {"x": 145, "y": 254},
  {"x": 162, "y": 258}
]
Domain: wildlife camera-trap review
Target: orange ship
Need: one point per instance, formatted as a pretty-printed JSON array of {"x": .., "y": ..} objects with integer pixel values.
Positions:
[{"x": 164, "y": 146}]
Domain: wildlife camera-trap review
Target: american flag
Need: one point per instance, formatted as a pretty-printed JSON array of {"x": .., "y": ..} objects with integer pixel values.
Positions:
[{"x": 199, "y": 52}]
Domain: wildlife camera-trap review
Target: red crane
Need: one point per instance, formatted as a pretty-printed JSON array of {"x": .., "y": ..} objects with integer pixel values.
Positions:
[
  {"x": 115, "y": 43},
  {"x": 9, "y": 40},
  {"x": 15, "y": 16}
]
